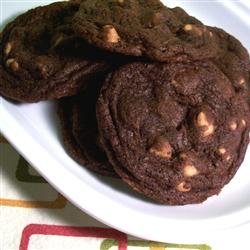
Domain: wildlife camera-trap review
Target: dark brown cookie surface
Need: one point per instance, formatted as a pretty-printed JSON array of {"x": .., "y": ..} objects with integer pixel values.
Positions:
[
  {"x": 233, "y": 60},
  {"x": 79, "y": 129},
  {"x": 31, "y": 68},
  {"x": 175, "y": 132},
  {"x": 136, "y": 27}
]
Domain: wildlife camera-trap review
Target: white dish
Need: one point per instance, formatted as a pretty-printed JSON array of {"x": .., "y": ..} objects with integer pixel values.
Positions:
[{"x": 33, "y": 130}]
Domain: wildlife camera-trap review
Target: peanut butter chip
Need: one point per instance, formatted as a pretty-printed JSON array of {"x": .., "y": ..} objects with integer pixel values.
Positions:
[
  {"x": 110, "y": 34},
  {"x": 12, "y": 64},
  {"x": 210, "y": 33},
  {"x": 243, "y": 122},
  {"x": 202, "y": 121},
  {"x": 7, "y": 49},
  {"x": 222, "y": 151},
  {"x": 190, "y": 170},
  {"x": 188, "y": 27},
  {"x": 162, "y": 148},
  {"x": 9, "y": 61},
  {"x": 242, "y": 81},
  {"x": 233, "y": 125},
  {"x": 224, "y": 154},
  {"x": 120, "y": 1},
  {"x": 174, "y": 82},
  {"x": 183, "y": 187}
]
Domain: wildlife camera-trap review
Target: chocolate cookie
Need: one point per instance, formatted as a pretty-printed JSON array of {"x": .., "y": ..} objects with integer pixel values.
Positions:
[
  {"x": 79, "y": 129},
  {"x": 233, "y": 60},
  {"x": 175, "y": 132},
  {"x": 31, "y": 66},
  {"x": 136, "y": 27}
]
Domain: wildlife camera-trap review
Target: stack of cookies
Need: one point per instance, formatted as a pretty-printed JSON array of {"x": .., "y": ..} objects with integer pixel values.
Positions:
[{"x": 146, "y": 93}]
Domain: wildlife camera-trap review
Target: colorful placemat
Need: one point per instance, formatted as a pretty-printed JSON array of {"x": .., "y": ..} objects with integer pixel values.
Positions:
[{"x": 36, "y": 217}]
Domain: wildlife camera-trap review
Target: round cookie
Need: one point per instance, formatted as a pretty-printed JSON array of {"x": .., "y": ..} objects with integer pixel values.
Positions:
[
  {"x": 79, "y": 129},
  {"x": 136, "y": 27},
  {"x": 31, "y": 67},
  {"x": 175, "y": 132}
]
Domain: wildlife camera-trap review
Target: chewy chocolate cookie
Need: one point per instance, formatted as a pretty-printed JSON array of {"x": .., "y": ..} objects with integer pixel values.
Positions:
[
  {"x": 233, "y": 60},
  {"x": 144, "y": 27},
  {"x": 175, "y": 132},
  {"x": 79, "y": 129},
  {"x": 31, "y": 67}
]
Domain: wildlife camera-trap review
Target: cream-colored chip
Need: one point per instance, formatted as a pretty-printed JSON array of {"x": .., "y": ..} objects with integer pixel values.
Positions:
[
  {"x": 209, "y": 131},
  {"x": 188, "y": 27},
  {"x": 162, "y": 148},
  {"x": 7, "y": 49},
  {"x": 190, "y": 170},
  {"x": 12, "y": 64},
  {"x": 243, "y": 122},
  {"x": 183, "y": 187},
  {"x": 222, "y": 151},
  {"x": 202, "y": 121},
  {"x": 197, "y": 30},
  {"x": 110, "y": 34},
  {"x": 210, "y": 33},
  {"x": 242, "y": 81},
  {"x": 233, "y": 125},
  {"x": 175, "y": 83},
  {"x": 9, "y": 61},
  {"x": 120, "y": 1}
]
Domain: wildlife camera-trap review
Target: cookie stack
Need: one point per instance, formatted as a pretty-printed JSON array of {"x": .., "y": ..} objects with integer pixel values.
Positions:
[{"x": 146, "y": 93}]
